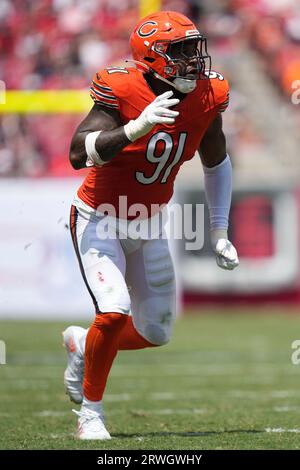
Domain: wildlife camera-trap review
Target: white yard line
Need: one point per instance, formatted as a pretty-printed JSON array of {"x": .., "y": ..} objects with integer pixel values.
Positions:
[
  {"x": 50, "y": 413},
  {"x": 262, "y": 394},
  {"x": 286, "y": 409},
  {"x": 284, "y": 393},
  {"x": 112, "y": 397},
  {"x": 171, "y": 411},
  {"x": 282, "y": 430},
  {"x": 163, "y": 396}
]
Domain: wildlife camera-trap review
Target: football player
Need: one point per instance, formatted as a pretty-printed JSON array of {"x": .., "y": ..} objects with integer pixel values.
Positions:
[{"x": 146, "y": 121}]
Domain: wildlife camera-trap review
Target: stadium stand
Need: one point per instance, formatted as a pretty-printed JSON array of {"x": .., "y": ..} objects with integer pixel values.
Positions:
[{"x": 58, "y": 44}]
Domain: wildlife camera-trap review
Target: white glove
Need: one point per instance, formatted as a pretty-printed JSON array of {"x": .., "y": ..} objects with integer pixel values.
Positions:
[
  {"x": 226, "y": 254},
  {"x": 156, "y": 112}
]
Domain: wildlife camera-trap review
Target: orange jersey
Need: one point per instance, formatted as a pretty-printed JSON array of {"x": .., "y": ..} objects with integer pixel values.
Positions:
[{"x": 145, "y": 170}]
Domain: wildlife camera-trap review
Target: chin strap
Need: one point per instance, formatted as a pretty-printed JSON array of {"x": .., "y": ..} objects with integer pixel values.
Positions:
[
  {"x": 141, "y": 64},
  {"x": 163, "y": 79},
  {"x": 146, "y": 68}
]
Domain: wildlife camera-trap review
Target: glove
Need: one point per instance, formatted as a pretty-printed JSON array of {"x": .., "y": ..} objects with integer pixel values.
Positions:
[
  {"x": 226, "y": 254},
  {"x": 156, "y": 112}
]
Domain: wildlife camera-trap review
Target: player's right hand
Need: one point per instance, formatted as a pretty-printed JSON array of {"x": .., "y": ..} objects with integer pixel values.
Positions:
[{"x": 157, "y": 112}]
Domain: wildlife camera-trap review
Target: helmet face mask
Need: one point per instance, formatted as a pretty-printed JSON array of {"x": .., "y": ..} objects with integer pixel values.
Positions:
[{"x": 185, "y": 57}]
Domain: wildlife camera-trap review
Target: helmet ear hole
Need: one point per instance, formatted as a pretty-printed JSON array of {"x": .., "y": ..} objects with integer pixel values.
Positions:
[{"x": 149, "y": 59}]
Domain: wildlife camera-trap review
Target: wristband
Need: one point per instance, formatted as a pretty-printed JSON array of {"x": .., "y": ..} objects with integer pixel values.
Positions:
[{"x": 93, "y": 156}]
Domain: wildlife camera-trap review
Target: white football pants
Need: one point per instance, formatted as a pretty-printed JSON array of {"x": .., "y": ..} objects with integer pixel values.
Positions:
[{"x": 127, "y": 275}]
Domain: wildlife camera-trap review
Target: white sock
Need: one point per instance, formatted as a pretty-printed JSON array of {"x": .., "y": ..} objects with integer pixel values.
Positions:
[{"x": 92, "y": 405}]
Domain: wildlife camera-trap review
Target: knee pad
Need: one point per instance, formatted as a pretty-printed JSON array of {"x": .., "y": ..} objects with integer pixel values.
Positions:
[
  {"x": 155, "y": 323},
  {"x": 155, "y": 334},
  {"x": 159, "y": 269}
]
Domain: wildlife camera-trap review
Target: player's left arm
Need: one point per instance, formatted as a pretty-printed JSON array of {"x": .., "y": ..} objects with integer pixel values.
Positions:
[{"x": 218, "y": 188}]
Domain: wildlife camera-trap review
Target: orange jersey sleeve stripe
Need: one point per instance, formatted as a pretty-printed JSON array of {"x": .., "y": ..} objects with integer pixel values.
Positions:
[
  {"x": 102, "y": 94},
  {"x": 102, "y": 87},
  {"x": 224, "y": 105},
  {"x": 103, "y": 101}
]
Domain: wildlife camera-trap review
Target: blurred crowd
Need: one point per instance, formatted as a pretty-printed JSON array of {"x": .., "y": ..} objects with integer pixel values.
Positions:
[
  {"x": 273, "y": 29},
  {"x": 59, "y": 44}
]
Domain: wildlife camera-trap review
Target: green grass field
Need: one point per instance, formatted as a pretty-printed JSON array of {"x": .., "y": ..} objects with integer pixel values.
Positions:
[{"x": 225, "y": 381}]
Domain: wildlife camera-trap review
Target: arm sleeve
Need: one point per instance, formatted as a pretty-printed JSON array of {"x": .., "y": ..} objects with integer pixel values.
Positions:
[
  {"x": 218, "y": 188},
  {"x": 102, "y": 94}
]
